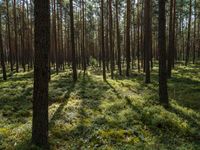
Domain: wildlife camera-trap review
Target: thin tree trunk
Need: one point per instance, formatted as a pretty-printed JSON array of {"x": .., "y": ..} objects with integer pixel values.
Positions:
[
  {"x": 15, "y": 30},
  {"x": 128, "y": 59},
  {"x": 2, "y": 53},
  {"x": 111, "y": 39},
  {"x": 102, "y": 40},
  {"x": 9, "y": 37},
  {"x": 194, "y": 40}
]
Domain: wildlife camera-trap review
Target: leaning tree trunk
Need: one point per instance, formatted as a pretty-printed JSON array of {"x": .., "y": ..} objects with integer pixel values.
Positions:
[{"x": 40, "y": 93}]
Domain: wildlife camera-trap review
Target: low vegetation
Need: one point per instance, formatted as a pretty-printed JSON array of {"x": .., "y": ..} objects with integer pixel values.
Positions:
[{"x": 123, "y": 113}]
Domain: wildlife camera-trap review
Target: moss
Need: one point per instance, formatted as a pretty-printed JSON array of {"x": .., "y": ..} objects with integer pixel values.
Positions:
[{"x": 92, "y": 114}]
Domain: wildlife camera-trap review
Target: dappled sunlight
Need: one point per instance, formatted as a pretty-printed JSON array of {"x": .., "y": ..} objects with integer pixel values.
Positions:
[{"x": 116, "y": 114}]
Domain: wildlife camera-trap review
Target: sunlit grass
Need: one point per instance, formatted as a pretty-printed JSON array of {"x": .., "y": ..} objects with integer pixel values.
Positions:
[{"x": 123, "y": 113}]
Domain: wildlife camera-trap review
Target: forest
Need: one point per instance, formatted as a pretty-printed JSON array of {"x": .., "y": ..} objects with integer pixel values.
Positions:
[{"x": 99, "y": 74}]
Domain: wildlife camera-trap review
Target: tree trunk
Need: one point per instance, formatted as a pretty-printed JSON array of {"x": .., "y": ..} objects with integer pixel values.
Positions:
[
  {"x": 163, "y": 93},
  {"x": 194, "y": 38},
  {"x": 118, "y": 39},
  {"x": 102, "y": 40},
  {"x": 9, "y": 37},
  {"x": 111, "y": 39},
  {"x": 15, "y": 30},
  {"x": 72, "y": 42},
  {"x": 147, "y": 36},
  {"x": 188, "y": 36},
  {"x": 128, "y": 22},
  {"x": 40, "y": 93},
  {"x": 2, "y": 54},
  {"x": 170, "y": 47}
]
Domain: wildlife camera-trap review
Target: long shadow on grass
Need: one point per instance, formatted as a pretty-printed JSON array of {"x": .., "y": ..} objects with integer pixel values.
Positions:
[
  {"x": 160, "y": 127},
  {"x": 63, "y": 103},
  {"x": 185, "y": 92},
  {"x": 90, "y": 98}
]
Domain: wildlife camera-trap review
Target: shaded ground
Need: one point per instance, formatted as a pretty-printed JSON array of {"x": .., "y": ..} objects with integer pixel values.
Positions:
[{"x": 117, "y": 114}]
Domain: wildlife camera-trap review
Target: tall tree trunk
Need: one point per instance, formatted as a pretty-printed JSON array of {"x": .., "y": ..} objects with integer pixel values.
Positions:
[
  {"x": 55, "y": 35},
  {"x": 147, "y": 36},
  {"x": 174, "y": 54},
  {"x": 194, "y": 38},
  {"x": 111, "y": 39},
  {"x": 128, "y": 22},
  {"x": 163, "y": 92},
  {"x": 102, "y": 40},
  {"x": 72, "y": 42},
  {"x": 170, "y": 47},
  {"x": 23, "y": 52},
  {"x": 118, "y": 39},
  {"x": 188, "y": 36},
  {"x": 40, "y": 93},
  {"x": 83, "y": 37},
  {"x": 9, "y": 37},
  {"x": 2, "y": 53},
  {"x": 138, "y": 38},
  {"x": 16, "y": 37}
]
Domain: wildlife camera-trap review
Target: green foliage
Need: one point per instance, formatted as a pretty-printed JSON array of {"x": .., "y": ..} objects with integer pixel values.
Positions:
[
  {"x": 92, "y": 114},
  {"x": 93, "y": 62}
]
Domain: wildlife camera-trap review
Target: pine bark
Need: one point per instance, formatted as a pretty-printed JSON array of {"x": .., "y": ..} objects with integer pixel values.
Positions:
[
  {"x": 40, "y": 93},
  {"x": 102, "y": 40},
  {"x": 147, "y": 36},
  {"x": 163, "y": 92},
  {"x": 188, "y": 35},
  {"x": 2, "y": 53},
  {"x": 128, "y": 22},
  {"x": 118, "y": 39},
  {"x": 9, "y": 37},
  {"x": 72, "y": 42}
]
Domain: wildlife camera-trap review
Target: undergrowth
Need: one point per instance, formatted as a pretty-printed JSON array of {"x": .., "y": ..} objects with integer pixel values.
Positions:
[{"x": 123, "y": 113}]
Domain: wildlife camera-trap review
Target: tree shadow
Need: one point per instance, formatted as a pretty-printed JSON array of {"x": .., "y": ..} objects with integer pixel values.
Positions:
[
  {"x": 185, "y": 92},
  {"x": 63, "y": 103}
]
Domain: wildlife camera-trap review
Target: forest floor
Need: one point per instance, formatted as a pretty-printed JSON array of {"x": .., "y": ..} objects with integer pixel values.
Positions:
[{"x": 123, "y": 113}]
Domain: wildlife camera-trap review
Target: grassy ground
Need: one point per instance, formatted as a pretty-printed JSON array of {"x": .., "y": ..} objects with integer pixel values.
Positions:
[{"x": 118, "y": 114}]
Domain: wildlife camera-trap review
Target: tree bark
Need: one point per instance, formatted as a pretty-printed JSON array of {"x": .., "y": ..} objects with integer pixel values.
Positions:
[
  {"x": 147, "y": 36},
  {"x": 9, "y": 37},
  {"x": 128, "y": 22},
  {"x": 188, "y": 36},
  {"x": 163, "y": 93},
  {"x": 118, "y": 39},
  {"x": 72, "y": 42},
  {"x": 40, "y": 93},
  {"x": 2, "y": 53},
  {"x": 102, "y": 39}
]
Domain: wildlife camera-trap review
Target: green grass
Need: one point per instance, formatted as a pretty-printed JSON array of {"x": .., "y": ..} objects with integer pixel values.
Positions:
[{"x": 118, "y": 114}]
